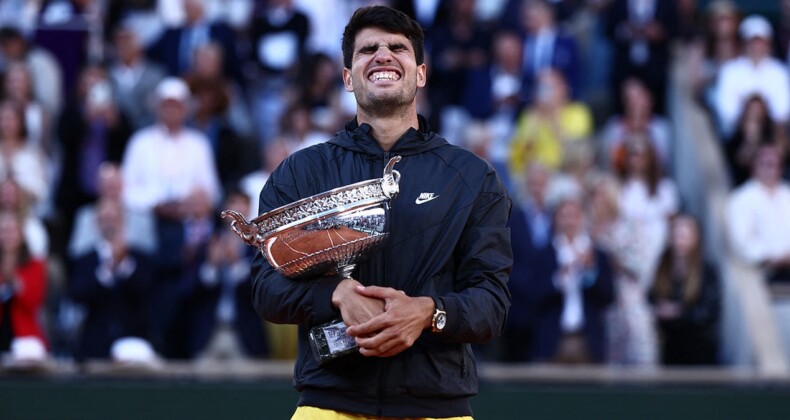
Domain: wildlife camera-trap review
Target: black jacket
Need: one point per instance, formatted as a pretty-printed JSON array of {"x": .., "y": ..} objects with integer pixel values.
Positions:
[{"x": 455, "y": 247}]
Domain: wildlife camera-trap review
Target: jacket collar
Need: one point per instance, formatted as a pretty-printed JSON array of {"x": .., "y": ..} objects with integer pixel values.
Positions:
[{"x": 358, "y": 137}]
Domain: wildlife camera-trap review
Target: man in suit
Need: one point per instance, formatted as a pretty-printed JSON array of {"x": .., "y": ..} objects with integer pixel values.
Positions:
[
  {"x": 572, "y": 292},
  {"x": 112, "y": 282},
  {"x": 530, "y": 227},
  {"x": 176, "y": 47},
  {"x": 546, "y": 46},
  {"x": 134, "y": 78},
  {"x": 640, "y": 32}
]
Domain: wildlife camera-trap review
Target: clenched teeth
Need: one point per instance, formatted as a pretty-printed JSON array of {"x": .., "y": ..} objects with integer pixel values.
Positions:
[{"x": 384, "y": 75}]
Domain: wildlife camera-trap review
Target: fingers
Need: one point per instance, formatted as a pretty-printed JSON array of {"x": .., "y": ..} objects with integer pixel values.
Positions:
[
  {"x": 368, "y": 328},
  {"x": 384, "y": 344},
  {"x": 379, "y": 292}
]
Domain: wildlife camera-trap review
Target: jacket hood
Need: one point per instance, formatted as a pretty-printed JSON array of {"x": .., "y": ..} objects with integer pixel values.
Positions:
[{"x": 358, "y": 138}]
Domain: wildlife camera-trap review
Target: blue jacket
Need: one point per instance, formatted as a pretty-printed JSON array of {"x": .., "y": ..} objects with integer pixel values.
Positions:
[{"x": 455, "y": 247}]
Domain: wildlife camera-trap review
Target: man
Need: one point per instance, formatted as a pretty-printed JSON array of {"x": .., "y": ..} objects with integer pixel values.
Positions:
[
  {"x": 757, "y": 212},
  {"x": 756, "y": 71},
  {"x": 641, "y": 34},
  {"x": 169, "y": 171},
  {"x": 175, "y": 48},
  {"x": 134, "y": 77},
  {"x": 449, "y": 255},
  {"x": 571, "y": 292},
  {"x": 112, "y": 281},
  {"x": 546, "y": 46},
  {"x": 531, "y": 228}
]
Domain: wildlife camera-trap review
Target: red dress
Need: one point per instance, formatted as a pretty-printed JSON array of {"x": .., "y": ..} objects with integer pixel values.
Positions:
[{"x": 28, "y": 300}]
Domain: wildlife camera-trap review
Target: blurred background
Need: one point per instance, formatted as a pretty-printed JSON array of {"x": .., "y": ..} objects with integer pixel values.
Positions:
[{"x": 643, "y": 142}]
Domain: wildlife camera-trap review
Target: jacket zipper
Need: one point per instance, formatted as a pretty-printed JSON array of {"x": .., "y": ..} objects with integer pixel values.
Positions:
[{"x": 383, "y": 374}]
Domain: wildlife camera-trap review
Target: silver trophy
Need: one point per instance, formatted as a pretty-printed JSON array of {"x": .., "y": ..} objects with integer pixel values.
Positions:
[{"x": 326, "y": 234}]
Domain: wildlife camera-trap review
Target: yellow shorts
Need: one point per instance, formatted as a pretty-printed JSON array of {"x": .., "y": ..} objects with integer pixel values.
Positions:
[{"x": 315, "y": 413}]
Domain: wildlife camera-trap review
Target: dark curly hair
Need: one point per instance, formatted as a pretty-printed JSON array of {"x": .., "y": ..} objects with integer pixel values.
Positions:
[{"x": 386, "y": 19}]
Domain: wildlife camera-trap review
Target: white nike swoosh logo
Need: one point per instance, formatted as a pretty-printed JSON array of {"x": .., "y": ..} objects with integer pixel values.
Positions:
[{"x": 421, "y": 200}]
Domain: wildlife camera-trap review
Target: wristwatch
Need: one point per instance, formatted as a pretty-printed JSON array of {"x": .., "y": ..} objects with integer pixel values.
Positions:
[{"x": 439, "y": 319}]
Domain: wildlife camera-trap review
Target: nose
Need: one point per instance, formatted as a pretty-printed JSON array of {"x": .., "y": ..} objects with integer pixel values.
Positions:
[{"x": 383, "y": 54}]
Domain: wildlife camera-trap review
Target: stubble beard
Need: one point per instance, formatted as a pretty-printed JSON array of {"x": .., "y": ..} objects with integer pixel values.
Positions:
[{"x": 386, "y": 105}]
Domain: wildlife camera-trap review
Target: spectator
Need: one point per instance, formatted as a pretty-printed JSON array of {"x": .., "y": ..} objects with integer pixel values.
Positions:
[
  {"x": 647, "y": 199},
  {"x": 85, "y": 237},
  {"x": 230, "y": 323},
  {"x": 18, "y": 87},
  {"x": 638, "y": 118},
  {"x": 685, "y": 297},
  {"x": 166, "y": 162},
  {"x": 546, "y": 46},
  {"x": 497, "y": 89},
  {"x": 208, "y": 69},
  {"x": 44, "y": 68},
  {"x": 175, "y": 48},
  {"x": 113, "y": 282},
  {"x": 321, "y": 91},
  {"x": 754, "y": 72},
  {"x": 572, "y": 297},
  {"x": 754, "y": 128},
  {"x": 758, "y": 227},
  {"x": 721, "y": 44},
  {"x": 134, "y": 77},
  {"x": 13, "y": 199},
  {"x": 92, "y": 130},
  {"x": 23, "y": 285},
  {"x": 530, "y": 228},
  {"x": 544, "y": 128},
  {"x": 460, "y": 45},
  {"x": 19, "y": 160},
  {"x": 279, "y": 35},
  {"x": 169, "y": 170},
  {"x": 641, "y": 33},
  {"x": 234, "y": 154}
]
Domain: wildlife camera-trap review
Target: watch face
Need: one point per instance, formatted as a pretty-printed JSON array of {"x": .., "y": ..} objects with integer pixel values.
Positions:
[{"x": 441, "y": 321}]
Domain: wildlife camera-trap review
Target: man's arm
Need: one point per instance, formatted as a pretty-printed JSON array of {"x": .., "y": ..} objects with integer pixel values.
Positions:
[{"x": 306, "y": 301}]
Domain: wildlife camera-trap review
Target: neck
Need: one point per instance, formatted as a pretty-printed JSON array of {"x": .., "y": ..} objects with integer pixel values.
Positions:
[{"x": 387, "y": 130}]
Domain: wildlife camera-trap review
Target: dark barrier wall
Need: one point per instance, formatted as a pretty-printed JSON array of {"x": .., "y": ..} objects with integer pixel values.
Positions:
[{"x": 91, "y": 398}]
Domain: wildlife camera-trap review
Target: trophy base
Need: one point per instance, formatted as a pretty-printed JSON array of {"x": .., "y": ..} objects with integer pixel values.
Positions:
[{"x": 330, "y": 341}]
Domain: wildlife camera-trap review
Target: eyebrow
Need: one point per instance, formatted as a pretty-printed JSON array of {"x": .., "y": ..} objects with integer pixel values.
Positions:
[{"x": 392, "y": 46}]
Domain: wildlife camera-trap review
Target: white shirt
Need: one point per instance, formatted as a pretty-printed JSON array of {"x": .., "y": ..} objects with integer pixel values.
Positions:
[
  {"x": 569, "y": 279},
  {"x": 758, "y": 221},
  {"x": 740, "y": 78},
  {"x": 160, "y": 167},
  {"x": 26, "y": 166}
]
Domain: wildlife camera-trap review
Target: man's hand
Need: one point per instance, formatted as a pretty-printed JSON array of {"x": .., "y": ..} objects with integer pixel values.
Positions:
[
  {"x": 396, "y": 329},
  {"x": 355, "y": 308}
]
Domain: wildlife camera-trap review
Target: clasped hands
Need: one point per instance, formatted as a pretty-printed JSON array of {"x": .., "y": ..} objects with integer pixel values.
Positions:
[{"x": 382, "y": 320}]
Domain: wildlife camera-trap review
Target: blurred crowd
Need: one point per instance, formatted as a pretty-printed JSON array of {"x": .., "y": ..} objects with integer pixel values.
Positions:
[{"x": 126, "y": 127}]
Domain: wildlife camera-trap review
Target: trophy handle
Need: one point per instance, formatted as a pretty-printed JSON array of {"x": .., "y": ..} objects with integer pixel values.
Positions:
[
  {"x": 248, "y": 232},
  {"x": 389, "y": 183}
]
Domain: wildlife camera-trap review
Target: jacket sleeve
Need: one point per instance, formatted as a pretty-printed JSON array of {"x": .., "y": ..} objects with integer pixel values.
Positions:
[
  {"x": 279, "y": 299},
  {"x": 478, "y": 307}
]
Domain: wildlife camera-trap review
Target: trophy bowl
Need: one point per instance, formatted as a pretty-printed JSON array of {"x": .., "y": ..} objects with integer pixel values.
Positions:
[{"x": 326, "y": 234}]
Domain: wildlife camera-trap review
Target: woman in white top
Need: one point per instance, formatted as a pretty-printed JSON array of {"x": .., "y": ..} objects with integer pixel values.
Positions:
[{"x": 646, "y": 201}]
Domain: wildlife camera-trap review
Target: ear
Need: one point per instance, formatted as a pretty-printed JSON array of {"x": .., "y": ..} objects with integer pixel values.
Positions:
[
  {"x": 348, "y": 82},
  {"x": 422, "y": 70}
]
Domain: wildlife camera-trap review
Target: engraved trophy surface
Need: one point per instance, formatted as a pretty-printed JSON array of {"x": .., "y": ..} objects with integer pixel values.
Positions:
[{"x": 326, "y": 234}]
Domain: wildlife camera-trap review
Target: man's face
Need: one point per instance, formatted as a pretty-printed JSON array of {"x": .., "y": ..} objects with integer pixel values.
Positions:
[
  {"x": 172, "y": 112},
  {"x": 384, "y": 74}
]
